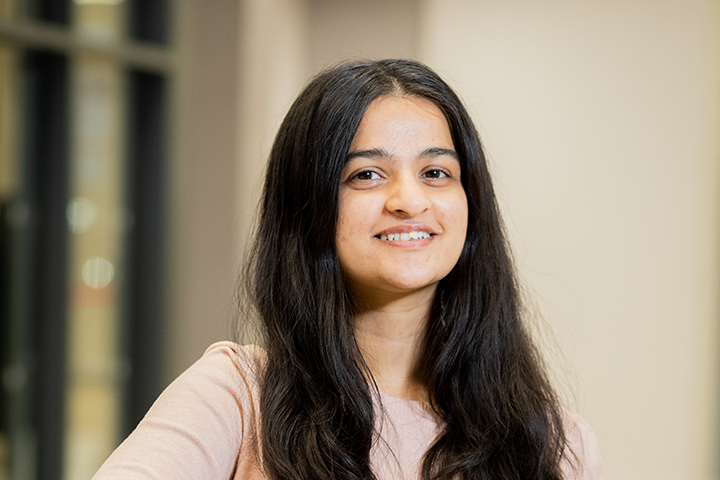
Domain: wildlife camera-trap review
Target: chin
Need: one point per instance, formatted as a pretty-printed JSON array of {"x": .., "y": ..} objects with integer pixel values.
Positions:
[{"x": 410, "y": 285}]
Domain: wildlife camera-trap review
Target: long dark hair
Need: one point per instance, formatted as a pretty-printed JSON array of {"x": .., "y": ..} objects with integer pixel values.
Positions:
[{"x": 500, "y": 418}]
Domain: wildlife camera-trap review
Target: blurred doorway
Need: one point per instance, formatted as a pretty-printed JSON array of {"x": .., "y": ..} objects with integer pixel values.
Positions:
[{"x": 83, "y": 155}]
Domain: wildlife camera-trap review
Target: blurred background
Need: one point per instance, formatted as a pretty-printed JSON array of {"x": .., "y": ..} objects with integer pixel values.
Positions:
[{"x": 132, "y": 143}]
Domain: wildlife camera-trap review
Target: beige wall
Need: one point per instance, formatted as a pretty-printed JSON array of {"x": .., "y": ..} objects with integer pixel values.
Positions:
[
  {"x": 600, "y": 119},
  {"x": 203, "y": 248}
]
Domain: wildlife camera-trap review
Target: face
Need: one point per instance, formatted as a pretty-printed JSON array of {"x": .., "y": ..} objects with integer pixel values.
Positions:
[{"x": 403, "y": 211}]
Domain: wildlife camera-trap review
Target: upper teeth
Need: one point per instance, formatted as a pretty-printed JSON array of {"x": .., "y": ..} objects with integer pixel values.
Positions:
[{"x": 405, "y": 236}]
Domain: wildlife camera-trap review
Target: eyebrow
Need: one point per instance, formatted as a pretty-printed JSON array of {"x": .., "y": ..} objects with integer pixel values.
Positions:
[
  {"x": 439, "y": 152},
  {"x": 381, "y": 152},
  {"x": 372, "y": 153}
]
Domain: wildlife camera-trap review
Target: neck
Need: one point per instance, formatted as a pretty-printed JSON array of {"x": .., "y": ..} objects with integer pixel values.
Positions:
[{"x": 390, "y": 337}]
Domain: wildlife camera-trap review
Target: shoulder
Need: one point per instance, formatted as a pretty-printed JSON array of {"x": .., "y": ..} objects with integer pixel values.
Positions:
[
  {"x": 233, "y": 368},
  {"x": 226, "y": 366},
  {"x": 200, "y": 424},
  {"x": 244, "y": 360},
  {"x": 584, "y": 460}
]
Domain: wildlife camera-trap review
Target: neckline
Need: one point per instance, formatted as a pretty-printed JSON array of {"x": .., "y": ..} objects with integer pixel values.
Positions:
[{"x": 402, "y": 400}]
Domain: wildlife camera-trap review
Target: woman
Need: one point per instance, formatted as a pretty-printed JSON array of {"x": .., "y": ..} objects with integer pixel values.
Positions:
[{"x": 393, "y": 340}]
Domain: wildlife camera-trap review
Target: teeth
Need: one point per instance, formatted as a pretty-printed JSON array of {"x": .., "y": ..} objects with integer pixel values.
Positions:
[{"x": 404, "y": 237}]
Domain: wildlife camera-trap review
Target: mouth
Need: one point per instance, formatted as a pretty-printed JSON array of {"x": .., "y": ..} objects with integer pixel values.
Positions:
[
  {"x": 404, "y": 236},
  {"x": 406, "y": 233}
]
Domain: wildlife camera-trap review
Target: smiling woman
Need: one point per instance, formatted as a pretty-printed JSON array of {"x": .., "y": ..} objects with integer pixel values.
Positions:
[{"x": 393, "y": 341}]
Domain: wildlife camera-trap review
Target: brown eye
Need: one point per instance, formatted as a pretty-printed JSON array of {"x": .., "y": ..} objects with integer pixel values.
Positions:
[
  {"x": 435, "y": 173},
  {"x": 366, "y": 175}
]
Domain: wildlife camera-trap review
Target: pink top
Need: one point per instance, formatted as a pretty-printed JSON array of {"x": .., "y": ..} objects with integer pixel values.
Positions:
[{"x": 205, "y": 426}]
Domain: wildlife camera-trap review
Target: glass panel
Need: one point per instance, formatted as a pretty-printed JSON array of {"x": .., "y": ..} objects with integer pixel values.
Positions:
[
  {"x": 97, "y": 224},
  {"x": 99, "y": 20}
]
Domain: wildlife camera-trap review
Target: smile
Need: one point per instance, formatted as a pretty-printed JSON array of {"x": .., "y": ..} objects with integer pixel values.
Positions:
[{"x": 404, "y": 237}]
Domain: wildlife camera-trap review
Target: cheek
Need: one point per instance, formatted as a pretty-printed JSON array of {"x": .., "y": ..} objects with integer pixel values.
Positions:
[
  {"x": 454, "y": 214},
  {"x": 350, "y": 222},
  {"x": 344, "y": 223},
  {"x": 354, "y": 212},
  {"x": 458, "y": 218}
]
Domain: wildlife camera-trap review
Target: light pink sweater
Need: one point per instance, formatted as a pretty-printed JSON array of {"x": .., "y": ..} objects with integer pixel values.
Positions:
[{"x": 205, "y": 426}]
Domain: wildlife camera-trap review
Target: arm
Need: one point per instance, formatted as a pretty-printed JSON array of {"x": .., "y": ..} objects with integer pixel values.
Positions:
[{"x": 194, "y": 429}]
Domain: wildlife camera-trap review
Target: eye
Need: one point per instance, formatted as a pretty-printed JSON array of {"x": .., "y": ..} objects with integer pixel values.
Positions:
[
  {"x": 365, "y": 175},
  {"x": 435, "y": 173}
]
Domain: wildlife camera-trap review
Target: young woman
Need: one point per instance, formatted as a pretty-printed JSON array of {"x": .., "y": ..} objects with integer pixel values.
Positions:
[{"x": 393, "y": 339}]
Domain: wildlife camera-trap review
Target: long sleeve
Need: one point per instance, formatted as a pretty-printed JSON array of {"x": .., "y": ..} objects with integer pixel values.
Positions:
[{"x": 195, "y": 428}]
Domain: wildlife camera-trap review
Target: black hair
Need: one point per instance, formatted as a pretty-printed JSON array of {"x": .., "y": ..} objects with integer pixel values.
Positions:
[{"x": 499, "y": 416}]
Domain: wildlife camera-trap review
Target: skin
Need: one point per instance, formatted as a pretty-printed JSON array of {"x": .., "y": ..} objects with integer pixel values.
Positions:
[{"x": 402, "y": 175}]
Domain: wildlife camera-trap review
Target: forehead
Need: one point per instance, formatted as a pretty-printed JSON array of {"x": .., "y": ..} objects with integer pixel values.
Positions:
[{"x": 402, "y": 122}]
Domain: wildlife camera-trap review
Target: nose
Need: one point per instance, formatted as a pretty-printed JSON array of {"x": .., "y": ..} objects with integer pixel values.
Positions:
[{"x": 406, "y": 197}]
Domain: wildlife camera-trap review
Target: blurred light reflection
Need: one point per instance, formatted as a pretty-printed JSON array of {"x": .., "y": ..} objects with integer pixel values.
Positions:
[
  {"x": 98, "y": 273},
  {"x": 81, "y": 213}
]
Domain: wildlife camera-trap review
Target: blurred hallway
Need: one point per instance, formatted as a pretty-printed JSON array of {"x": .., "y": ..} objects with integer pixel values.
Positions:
[{"x": 132, "y": 142}]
